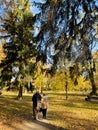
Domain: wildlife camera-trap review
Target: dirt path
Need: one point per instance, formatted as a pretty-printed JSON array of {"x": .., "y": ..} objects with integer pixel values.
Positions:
[
  {"x": 31, "y": 124},
  {"x": 28, "y": 125},
  {"x": 34, "y": 125}
]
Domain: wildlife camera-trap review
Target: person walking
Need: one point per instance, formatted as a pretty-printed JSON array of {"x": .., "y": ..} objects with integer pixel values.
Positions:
[
  {"x": 44, "y": 105},
  {"x": 36, "y": 99}
]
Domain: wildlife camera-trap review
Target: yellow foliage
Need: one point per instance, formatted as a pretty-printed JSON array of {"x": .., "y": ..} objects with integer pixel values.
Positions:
[{"x": 2, "y": 55}]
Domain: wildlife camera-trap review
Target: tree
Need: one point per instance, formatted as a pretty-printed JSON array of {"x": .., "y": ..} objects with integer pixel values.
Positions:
[
  {"x": 18, "y": 25},
  {"x": 67, "y": 32},
  {"x": 95, "y": 56},
  {"x": 40, "y": 78}
]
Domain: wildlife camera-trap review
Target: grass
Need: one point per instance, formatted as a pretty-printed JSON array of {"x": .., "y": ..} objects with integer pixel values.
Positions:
[
  {"x": 72, "y": 114},
  {"x": 75, "y": 113}
]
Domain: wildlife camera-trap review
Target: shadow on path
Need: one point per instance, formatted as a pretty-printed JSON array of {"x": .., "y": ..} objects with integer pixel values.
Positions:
[{"x": 31, "y": 124}]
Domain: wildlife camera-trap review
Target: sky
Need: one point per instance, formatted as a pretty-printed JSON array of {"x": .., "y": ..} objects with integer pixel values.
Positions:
[
  {"x": 95, "y": 48},
  {"x": 34, "y": 9}
]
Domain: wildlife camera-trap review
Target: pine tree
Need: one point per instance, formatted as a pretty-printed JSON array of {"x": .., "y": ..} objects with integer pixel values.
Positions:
[{"x": 19, "y": 48}]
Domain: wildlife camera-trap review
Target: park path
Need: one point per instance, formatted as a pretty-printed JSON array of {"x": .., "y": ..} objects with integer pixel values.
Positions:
[
  {"x": 31, "y": 124},
  {"x": 40, "y": 124},
  {"x": 34, "y": 125}
]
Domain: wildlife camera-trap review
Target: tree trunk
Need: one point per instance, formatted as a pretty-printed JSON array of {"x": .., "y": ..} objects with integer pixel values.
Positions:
[
  {"x": 41, "y": 89},
  {"x": 20, "y": 93},
  {"x": 91, "y": 76},
  {"x": 66, "y": 89},
  {"x": 94, "y": 89}
]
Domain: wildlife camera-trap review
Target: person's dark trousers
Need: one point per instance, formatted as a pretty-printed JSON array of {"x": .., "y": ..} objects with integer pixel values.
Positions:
[
  {"x": 35, "y": 112},
  {"x": 44, "y": 111}
]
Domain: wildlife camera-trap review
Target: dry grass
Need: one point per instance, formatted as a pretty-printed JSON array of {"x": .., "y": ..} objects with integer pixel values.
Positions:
[{"x": 72, "y": 114}]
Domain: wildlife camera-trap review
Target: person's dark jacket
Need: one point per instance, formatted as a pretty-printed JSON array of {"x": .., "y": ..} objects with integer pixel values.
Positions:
[{"x": 36, "y": 97}]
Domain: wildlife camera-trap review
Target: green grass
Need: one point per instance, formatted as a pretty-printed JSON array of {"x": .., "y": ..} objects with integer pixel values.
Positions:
[{"x": 72, "y": 114}]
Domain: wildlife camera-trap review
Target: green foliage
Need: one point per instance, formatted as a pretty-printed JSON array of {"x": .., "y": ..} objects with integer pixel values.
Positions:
[{"x": 19, "y": 43}]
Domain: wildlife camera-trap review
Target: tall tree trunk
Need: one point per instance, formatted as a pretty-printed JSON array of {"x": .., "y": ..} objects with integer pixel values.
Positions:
[
  {"x": 20, "y": 93},
  {"x": 91, "y": 77},
  {"x": 66, "y": 89}
]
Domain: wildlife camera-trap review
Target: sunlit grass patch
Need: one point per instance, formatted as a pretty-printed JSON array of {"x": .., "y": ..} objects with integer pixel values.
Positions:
[{"x": 74, "y": 113}]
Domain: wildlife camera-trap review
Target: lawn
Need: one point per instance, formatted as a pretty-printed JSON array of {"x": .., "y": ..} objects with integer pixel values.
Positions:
[{"x": 72, "y": 114}]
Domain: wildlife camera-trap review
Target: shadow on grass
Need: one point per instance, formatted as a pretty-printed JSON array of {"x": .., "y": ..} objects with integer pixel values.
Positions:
[
  {"x": 20, "y": 111},
  {"x": 76, "y": 122},
  {"x": 81, "y": 103},
  {"x": 69, "y": 93},
  {"x": 77, "y": 104},
  {"x": 74, "y": 101},
  {"x": 13, "y": 114}
]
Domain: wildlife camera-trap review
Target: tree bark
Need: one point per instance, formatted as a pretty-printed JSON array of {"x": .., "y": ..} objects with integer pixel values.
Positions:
[
  {"x": 91, "y": 77},
  {"x": 66, "y": 89},
  {"x": 20, "y": 93}
]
